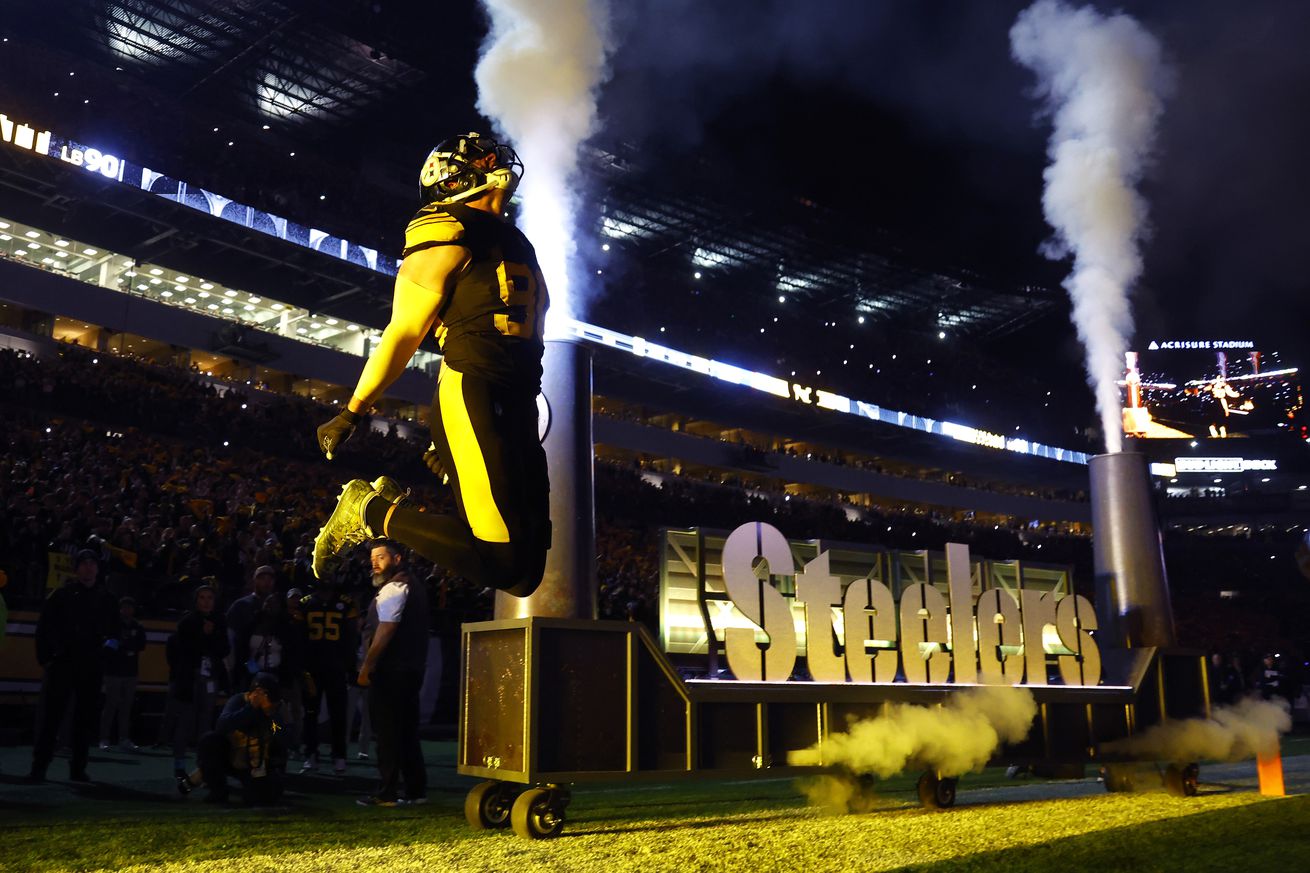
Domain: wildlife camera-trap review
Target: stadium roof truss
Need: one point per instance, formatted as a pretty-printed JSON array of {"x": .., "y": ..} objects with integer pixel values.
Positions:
[
  {"x": 276, "y": 54},
  {"x": 808, "y": 258}
]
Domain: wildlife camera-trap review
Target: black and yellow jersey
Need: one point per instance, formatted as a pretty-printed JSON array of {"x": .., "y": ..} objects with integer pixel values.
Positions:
[
  {"x": 491, "y": 326},
  {"x": 330, "y": 632}
]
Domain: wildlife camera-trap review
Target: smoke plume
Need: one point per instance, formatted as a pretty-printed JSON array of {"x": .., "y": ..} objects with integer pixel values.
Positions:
[
  {"x": 957, "y": 737},
  {"x": 541, "y": 66},
  {"x": 1232, "y": 733},
  {"x": 1102, "y": 80}
]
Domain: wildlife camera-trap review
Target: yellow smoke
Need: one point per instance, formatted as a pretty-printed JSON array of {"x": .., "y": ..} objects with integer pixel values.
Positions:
[
  {"x": 1232, "y": 733},
  {"x": 958, "y": 737}
]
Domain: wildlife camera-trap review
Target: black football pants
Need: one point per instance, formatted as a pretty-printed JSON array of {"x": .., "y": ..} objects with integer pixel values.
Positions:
[
  {"x": 486, "y": 436},
  {"x": 329, "y": 684}
]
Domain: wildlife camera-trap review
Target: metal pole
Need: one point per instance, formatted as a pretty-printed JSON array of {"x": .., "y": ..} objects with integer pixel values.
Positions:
[
  {"x": 1132, "y": 591},
  {"x": 568, "y": 588}
]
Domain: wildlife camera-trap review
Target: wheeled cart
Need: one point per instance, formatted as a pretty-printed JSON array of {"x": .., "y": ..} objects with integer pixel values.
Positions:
[{"x": 549, "y": 703}]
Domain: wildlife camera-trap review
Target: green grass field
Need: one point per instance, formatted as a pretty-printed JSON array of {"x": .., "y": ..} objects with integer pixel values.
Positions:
[{"x": 131, "y": 820}]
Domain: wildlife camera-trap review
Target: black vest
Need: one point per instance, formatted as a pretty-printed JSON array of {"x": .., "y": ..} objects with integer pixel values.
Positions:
[{"x": 408, "y": 649}]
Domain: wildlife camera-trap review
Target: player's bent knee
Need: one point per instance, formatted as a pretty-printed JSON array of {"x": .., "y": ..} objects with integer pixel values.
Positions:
[{"x": 513, "y": 567}]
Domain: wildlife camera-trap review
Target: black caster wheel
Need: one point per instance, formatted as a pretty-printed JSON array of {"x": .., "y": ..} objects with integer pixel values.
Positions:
[
  {"x": 538, "y": 813},
  {"x": 1181, "y": 781},
  {"x": 937, "y": 792},
  {"x": 488, "y": 805}
]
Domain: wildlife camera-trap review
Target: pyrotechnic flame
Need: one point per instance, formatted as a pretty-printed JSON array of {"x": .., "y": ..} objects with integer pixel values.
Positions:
[
  {"x": 957, "y": 737},
  {"x": 1232, "y": 733},
  {"x": 537, "y": 79},
  {"x": 1102, "y": 79}
]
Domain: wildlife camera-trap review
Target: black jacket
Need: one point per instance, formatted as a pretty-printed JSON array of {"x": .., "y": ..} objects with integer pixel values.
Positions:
[
  {"x": 408, "y": 650},
  {"x": 189, "y": 646},
  {"x": 74, "y": 624}
]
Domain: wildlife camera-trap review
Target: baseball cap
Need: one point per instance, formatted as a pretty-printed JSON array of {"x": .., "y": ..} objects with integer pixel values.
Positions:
[{"x": 265, "y": 568}]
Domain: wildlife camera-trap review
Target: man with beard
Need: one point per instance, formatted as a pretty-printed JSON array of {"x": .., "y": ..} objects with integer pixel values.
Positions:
[{"x": 393, "y": 673}]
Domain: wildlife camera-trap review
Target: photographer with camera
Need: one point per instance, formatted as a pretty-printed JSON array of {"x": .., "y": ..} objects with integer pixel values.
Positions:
[{"x": 246, "y": 743}]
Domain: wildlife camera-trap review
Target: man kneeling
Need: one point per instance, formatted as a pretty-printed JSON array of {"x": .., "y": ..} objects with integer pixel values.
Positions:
[{"x": 246, "y": 743}]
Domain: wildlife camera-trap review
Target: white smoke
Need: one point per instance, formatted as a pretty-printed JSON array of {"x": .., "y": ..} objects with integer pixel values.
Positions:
[
  {"x": 1245, "y": 730},
  {"x": 958, "y": 737},
  {"x": 1103, "y": 80},
  {"x": 541, "y": 65}
]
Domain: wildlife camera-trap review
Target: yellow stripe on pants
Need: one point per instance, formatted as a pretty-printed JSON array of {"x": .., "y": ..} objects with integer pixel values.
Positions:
[{"x": 470, "y": 466}]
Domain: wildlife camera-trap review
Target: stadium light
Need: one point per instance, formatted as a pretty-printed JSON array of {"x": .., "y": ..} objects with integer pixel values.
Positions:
[
  {"x": 941, "y": 334},
  {"x": 860, "y": 319},
  {"x": 605, "y": 247}
]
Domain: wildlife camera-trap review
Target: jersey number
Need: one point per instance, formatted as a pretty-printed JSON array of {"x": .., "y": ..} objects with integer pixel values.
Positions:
[
  {"x": 324, "y": 625},
  {"x": 523, "y": 290}
]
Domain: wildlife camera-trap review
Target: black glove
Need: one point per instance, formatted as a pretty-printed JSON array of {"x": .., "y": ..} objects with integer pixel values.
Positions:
[
  {"x": 337, "y": 431},
  {"x": 433, "y": 460}
]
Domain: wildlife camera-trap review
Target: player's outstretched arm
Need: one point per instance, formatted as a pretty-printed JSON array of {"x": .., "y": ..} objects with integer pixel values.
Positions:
[{"x": 425, "y": 280}]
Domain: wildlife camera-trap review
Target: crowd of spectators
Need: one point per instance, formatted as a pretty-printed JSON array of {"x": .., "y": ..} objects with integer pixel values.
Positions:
[{"x": 178, "y": 480}]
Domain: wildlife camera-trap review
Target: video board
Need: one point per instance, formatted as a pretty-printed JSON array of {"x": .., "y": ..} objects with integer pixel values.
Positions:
[{"x": 1207, "y": 389}]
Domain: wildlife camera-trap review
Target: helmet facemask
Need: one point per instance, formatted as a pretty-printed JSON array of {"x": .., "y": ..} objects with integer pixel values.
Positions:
[{"x": 463, "y": 167}]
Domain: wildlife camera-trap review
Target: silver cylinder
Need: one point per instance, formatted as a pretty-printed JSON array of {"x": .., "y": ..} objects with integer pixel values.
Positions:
[
  {"x": 568, "y": 588},
  {"x": 1132, "y": 591}
]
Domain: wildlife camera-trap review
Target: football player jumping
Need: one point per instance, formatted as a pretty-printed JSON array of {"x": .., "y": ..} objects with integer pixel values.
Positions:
[{"x": 472, "y": 277}]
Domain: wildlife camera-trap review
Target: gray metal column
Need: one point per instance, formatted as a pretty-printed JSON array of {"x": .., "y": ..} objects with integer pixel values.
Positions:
[
  {"x": 568, "y": 589},
  {"x": 1132, "y": 591}
]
